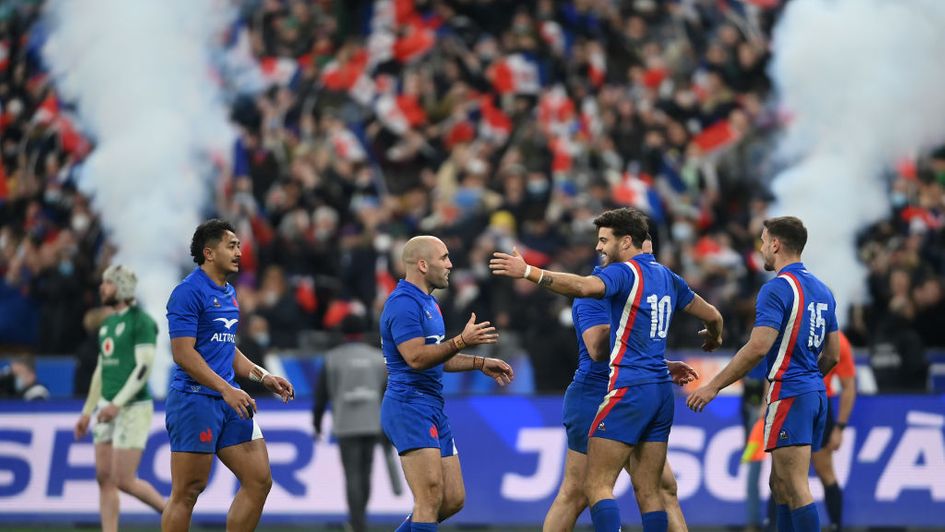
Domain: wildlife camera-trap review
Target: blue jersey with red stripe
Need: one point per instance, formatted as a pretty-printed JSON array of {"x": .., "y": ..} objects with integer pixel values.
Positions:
[
  {"x": 587, "y": 312},
  {"x": 803, "y": 311},
  {"x": 411, "y": 313},
  {"x": 642, "y": 295}
]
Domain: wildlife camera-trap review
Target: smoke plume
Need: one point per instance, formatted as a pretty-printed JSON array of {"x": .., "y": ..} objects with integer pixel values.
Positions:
[
  {"x": 862, "y": 80},
  {"x": 139, "y": 73}
]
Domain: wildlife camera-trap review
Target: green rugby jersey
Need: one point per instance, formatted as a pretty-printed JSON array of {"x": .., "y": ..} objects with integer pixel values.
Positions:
[{"x": 117, "y": 338}]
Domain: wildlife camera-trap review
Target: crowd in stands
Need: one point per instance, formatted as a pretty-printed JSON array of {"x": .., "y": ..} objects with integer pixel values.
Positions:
[{"x": 488, "y": 123}]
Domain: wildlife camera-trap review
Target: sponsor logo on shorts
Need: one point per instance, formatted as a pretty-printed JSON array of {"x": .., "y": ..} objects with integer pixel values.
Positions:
[
  {"x": 206, "y": 436},
  {"x": 601, "y": 427},
  {"x": 782, "y": 435},
  {"x": 435, "y": 434}
]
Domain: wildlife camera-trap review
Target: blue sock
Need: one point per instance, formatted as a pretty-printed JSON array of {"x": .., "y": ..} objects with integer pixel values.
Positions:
[
  {"x": 805, "y": 518},
  {"x": 422, "y": 527},
  {"x": 655, "y": 522},
  {"x": 784, "y": 519},
  {"x": 606, "y": 516},
  {"x": 405, "y": 526}
]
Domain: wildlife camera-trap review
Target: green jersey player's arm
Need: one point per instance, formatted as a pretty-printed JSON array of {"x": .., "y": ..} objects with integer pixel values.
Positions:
[
  {"x": 144, "y": 360},
  {"x": 95, "y": 390}
]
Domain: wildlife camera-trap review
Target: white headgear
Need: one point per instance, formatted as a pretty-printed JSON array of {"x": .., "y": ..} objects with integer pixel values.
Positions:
[{"x": 124, "y": 280}]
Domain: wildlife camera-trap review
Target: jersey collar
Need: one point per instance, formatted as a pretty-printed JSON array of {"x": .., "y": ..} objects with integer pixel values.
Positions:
[
  {"x": 209, "y": 282},
  {"x": 794, "y": 266}
]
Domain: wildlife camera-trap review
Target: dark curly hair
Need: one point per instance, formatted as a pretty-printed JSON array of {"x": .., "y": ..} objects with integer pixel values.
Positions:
[
  {"x": 208, "y": 234},
  {"x": 626, "y": 221}
]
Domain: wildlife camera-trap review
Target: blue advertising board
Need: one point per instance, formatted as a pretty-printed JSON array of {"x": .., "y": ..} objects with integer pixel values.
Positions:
[{"x": 512, "y": 448}]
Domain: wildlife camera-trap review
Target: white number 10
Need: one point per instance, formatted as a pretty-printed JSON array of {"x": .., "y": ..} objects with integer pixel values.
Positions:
[{"x": 660, "y": 310}]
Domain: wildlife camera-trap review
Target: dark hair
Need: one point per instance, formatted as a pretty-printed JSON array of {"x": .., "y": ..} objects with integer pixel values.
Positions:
[
  {"x": 353, "y": 324},
  {"x": 208, "y": 234},
  {"x": 789, "y": 230},
  {"x": 625, "y": 221}
]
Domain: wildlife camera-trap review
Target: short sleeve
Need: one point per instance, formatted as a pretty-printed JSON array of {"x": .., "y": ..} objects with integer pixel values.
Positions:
[
  {"x": 771, "y": 304},
  {"x": 616, "y": 278},
  {"x": 590, "y": 312},
  {"x": 145, "y": 330},
  {"x": 832, "y": 324},
  {"x": 183, "y": 312},
  {"x": 684, "y": 294},
  {"x": 405, "y": 320}
]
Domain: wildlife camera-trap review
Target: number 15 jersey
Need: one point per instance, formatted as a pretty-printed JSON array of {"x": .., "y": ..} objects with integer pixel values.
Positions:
[
  {"x": 642, "y": 295},
  {"x": 803, "y": 311}
]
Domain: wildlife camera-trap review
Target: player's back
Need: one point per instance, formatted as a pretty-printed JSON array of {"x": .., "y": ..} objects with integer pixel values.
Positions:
[
  {"x": 643, "y": 296},
  {"x": 803, "y": 311},
  {"x": 410, "y": 313}
]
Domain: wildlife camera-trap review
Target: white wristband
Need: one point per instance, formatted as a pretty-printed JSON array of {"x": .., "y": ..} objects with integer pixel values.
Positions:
[
  {"x": 528, "y": 271},
  {"x": 262, "y": 374}
]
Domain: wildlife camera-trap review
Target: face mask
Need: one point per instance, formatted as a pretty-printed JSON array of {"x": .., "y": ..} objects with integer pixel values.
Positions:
[
  {"x": 80, "y": 223},
  {"x": 898, "y": 199},
  {"x": 537, "y": 187},
  {"x": 66, "y": 268},
  {"x": 262, "y": 339}
]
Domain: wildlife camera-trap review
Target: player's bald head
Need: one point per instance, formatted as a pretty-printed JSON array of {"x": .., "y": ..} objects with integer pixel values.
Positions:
[{"x": 421, "y": 247}]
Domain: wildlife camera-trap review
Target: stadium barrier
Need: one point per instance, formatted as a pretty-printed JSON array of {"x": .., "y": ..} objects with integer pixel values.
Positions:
[{"x": 892, "y": 465}]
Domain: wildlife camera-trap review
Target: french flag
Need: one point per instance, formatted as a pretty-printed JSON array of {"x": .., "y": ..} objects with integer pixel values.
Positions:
[
  {"x": 399, "y": 113},
  {"x": 514, "y": 74},
  {"x": 563, "y": 150},
  {"x": 342, "y": 76},
  {"x": 717, "y": 136},
  {"x": 597, "y": 64},
  {"x": 347, "y": 145},
  {"x": 278, "y": 70},
  {"x": 556, "y": 113},
  {"x": 495, "y": 125}
]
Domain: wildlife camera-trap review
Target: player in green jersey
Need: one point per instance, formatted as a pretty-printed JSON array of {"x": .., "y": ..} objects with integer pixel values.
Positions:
[{"x": 120, "y": 396}]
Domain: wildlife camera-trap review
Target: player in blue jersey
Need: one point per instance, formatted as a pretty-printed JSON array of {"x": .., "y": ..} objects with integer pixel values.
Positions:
[
  {"x": 591, "y": 320},
  {"x": 413, "y": 338},
  {"x": 796, "y": 331},
  {"x": 631, "y": 427},
  {"x": 206, "y": 412}
]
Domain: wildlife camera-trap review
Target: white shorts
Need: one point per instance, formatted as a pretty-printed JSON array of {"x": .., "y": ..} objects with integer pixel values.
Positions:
[{"x": 129, "y": 429}]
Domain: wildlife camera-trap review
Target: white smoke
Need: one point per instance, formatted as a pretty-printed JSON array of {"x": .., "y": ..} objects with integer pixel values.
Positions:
[
  {"x": 139, "y": 73},
  {"x": 863, "y": 82}
]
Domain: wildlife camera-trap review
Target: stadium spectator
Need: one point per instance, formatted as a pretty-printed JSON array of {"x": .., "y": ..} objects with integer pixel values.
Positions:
[{"x": 19, "y": 380}]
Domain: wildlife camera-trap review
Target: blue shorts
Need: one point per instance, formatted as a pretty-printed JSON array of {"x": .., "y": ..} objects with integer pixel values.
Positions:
[
  {"x": 797, "y": 420},
  {"x": 199, "y": 423},
  {"x": 415, "y": 425},
  {"x": 635, "y": 414},
  {"x": 581, "y": 401}
]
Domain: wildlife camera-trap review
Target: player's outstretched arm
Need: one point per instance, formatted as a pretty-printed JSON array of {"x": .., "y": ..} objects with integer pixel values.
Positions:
[
  {"x": 711, "y": 317},
  {"x": 760, "y": 342},
  {"x": 420, "y": 356},
  {"x": 567, "y": 284},
  {"x": 187, "y": 357},
  {"x": 280, "y": 386}
]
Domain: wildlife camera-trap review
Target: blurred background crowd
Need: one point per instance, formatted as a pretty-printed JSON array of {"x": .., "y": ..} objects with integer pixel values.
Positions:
[{"x": 488, "y": 123}]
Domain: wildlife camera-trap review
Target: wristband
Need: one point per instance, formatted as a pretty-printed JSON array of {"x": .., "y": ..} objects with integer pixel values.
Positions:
[
  {"x": 458, "y": 342},
  {"x": 261, "y": 376},
  {"x": 528, "y": 271},
  {"x": 481, "y": 361}
]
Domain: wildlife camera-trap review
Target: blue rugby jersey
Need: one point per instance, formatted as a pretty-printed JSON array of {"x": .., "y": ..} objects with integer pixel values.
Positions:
[
  {"x": 642, "y": 295},
  {"x": 803, "y": 311},
  {"x": 410, "y": 313},
  {"x": 201, "y": 309}
]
